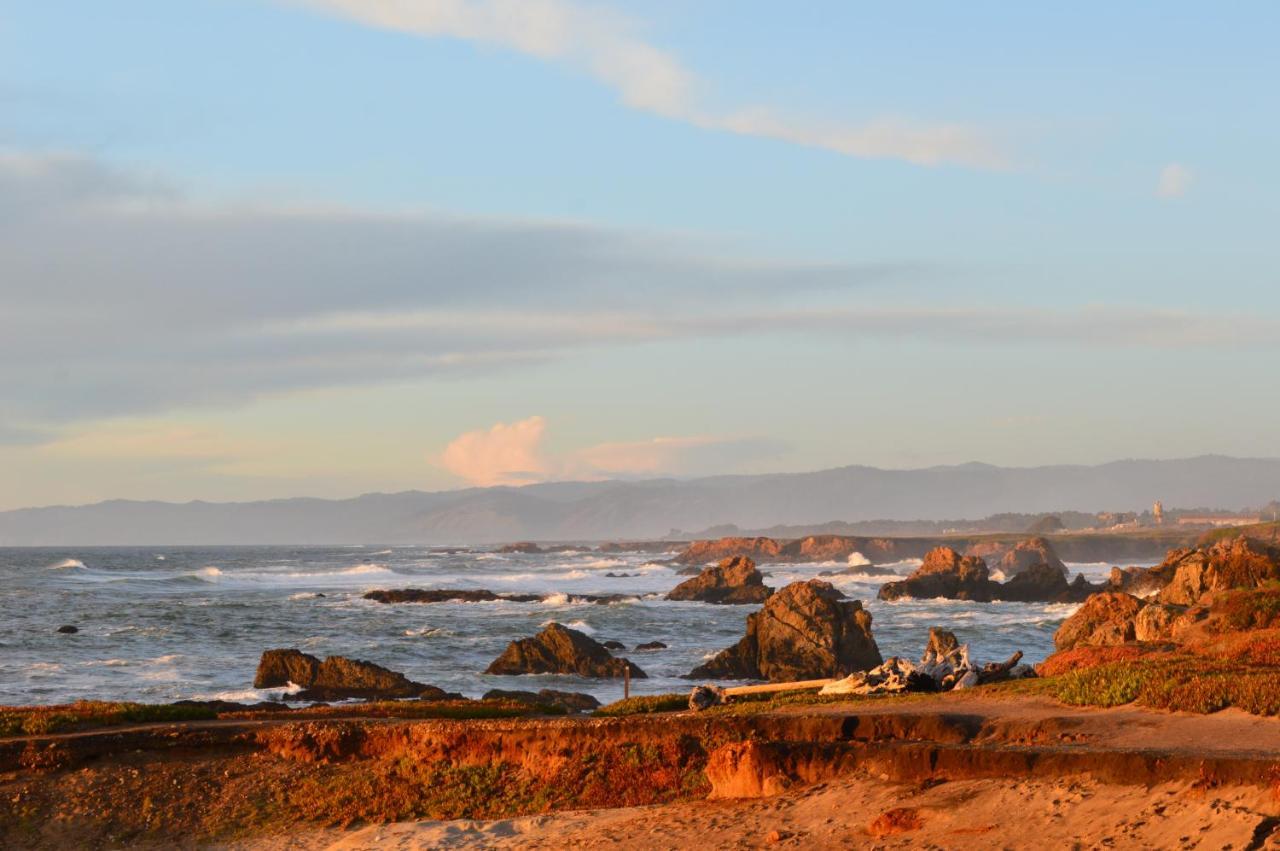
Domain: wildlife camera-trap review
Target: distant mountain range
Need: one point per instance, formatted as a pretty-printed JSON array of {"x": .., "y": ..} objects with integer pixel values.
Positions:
[{"x": 585, "y": 511}]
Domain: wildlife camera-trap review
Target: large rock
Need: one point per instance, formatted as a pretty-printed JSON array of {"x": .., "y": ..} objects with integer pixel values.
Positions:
[
  {"x": 336, "y": 678},
  {"x": 1013, "y": 557},
  {"x": 1025, "y": 555},
  {"x": 734, "y": 580},
  {"x": 1039, "y": 582},
  {"x": 1104, "y": 619},
  {"x": 702, "y": 552},
  {"x": 808, "y": 630},
  {"x": 944, "y": 573},
  {"x": 1235, "y": 563},
  {"x": 560, "y": 650}
]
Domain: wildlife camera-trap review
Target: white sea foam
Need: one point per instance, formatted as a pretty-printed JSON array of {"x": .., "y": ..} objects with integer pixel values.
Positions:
[
  {"x": 67, "y": 563},
  {"x": 560, "y": 599},
  {"x": 857, "y": 560},
  {"x": 579, "y": 625}
]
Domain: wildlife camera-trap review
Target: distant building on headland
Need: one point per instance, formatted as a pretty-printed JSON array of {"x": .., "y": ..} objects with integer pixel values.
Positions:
[
  {"x": 1215, "y": 520},
  {"x": 1157, "y": 513}
]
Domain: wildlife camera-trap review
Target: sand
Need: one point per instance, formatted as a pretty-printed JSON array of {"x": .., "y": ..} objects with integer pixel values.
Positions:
[{"x": 866, "y": 813}]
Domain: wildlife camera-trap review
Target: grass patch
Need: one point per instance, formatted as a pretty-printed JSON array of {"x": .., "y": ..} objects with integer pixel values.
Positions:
[
  {"x": 89, "y": 714},
  {"x": 644, "y": 705},
  {"x": 86, "y": 714},
  {"x": 1182, "y": 683}
]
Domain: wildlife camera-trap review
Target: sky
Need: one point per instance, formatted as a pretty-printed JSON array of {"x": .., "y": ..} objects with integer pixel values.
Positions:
[{"x": 263, "y": 248}]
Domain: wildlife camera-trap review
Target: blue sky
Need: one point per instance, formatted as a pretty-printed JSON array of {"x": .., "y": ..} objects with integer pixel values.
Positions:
[{"x": 328, "y": 246}]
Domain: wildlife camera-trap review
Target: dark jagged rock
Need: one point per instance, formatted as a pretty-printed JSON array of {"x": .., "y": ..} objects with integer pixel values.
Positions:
[
  {"x": 569, "y": 701},
  {"x": 522, "y": 547},
  {"x": 1039, "y": 582},
  {"x": 944, "y": 573},
  {"x": 560, "y": 650},
  {"x": 1139, "y": 581},
  {"x": 734, "y": 580},
  {"x": 651, "y": 645},
  {"x": 68, "y": 629},
  {"x": 805, "y": 631},
  {"x": 861, "y": 570},
  {"x": 614, "y": 645},
  {"x": 336, "y": 678}
]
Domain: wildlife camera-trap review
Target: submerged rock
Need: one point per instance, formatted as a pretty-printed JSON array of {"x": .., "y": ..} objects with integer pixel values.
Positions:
[
  {"x": 734, "y": 580},
  {"x": 337, "y": 678},
  {"x": 805, "y": 631},
  {"x": 560, "y": 650},
  {"x": 614, "y": 645},
  {"x": 68, "y": 629},
  {"x": 651, "y": 645}
]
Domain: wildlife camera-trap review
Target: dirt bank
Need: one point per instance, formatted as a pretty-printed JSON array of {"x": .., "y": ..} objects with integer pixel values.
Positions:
[{"x": 228, "y": 781}]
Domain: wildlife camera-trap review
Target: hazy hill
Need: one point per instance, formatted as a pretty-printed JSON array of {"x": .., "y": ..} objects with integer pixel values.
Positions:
[{"x": 644, "y": 509}]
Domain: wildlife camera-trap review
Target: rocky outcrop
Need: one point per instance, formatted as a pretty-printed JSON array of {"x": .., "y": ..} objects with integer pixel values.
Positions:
[
  {"x": 805, "y": 631},
  {"x": 567, "y": 701},
  {"x": 336, "y": 678},
  {"x": 947, "y": 574},
  {"x": 1201, "y": 590},
  {"x": 1104, "y": 619},
  {"x": 1235, "y": 563},
  {"x": 1012, "y": 558},
  {"x": 1139, "y": 581},
  {"x": 732, "y": 581},
  {"x": 944, "y": 573},
  {"x": 704, "y": 552},
  {"x": 1039, "y": 582},
  {"x": 651, "y": 645},
  {"x": 560, "y": 650}
]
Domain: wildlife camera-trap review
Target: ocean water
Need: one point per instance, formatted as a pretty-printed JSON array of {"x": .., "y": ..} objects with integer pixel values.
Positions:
[{"x": 161, "y": 624}]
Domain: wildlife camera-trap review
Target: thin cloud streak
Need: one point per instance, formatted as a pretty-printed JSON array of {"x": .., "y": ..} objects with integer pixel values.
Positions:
[
  {"x": 120, "y": 299},
  {"x": 607, "y": 46}
]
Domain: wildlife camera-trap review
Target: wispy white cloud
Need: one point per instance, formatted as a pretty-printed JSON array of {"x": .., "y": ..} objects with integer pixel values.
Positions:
[
  {"x": 1175, "y": 179},
  {"x": 611, "y": 48}
]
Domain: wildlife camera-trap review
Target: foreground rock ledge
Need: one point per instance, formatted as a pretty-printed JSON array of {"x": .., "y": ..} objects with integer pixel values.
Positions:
[
  {"x": 808, "y": 630},
  {"x": 561, "y": 650}
]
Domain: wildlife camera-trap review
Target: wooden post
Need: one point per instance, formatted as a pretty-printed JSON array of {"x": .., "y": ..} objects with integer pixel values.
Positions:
[{"x": 626, "y": 682}]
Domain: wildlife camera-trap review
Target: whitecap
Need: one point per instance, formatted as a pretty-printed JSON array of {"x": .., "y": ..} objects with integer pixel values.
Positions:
[
  {"x": 67, "y": 563},
  {"x": 579, "y": 625},
  {"x": 857, "y": 559},
  {"x": 561, "y": 599}
]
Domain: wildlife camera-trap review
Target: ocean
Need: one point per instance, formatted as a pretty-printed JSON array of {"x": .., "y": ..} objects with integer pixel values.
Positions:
[{"x": 163, "y": 624}]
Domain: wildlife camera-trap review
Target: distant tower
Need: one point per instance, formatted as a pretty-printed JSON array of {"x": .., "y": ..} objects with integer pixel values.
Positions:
[{"x": 1157, "y": 511}]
